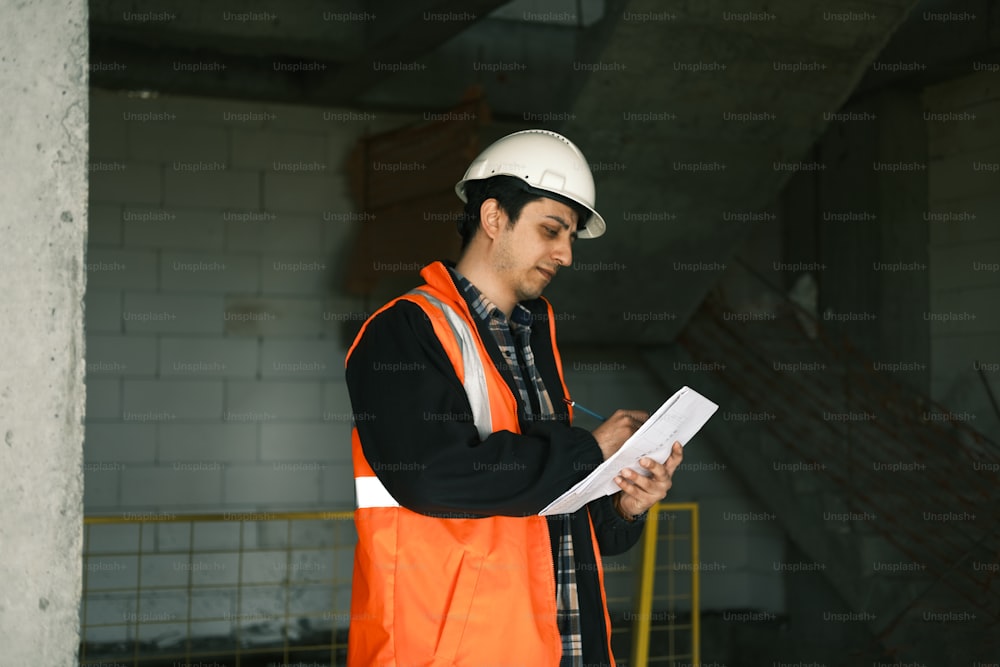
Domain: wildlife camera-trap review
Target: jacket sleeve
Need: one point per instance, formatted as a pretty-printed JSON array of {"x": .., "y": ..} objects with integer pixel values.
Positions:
[
  {"x": 614, "y": 534},
  {"x": 416, "y": 429}
]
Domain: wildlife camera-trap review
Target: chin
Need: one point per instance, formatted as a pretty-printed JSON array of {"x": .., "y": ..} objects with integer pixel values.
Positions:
[{"x": 528, "y": 295}]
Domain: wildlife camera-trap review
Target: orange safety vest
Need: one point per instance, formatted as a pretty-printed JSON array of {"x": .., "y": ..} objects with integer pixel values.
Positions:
[{"x": 436, "y": 592}]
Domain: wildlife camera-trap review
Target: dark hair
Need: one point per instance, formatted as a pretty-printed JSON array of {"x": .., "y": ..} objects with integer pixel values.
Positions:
[{"x": 512, "y": 195}]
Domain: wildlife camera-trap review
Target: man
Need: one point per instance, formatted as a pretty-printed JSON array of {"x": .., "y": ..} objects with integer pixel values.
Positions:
[{"x": 462, "y": 436}]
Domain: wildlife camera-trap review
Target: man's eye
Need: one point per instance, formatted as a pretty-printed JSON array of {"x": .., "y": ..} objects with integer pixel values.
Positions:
[{"x": 552, "y": 232}]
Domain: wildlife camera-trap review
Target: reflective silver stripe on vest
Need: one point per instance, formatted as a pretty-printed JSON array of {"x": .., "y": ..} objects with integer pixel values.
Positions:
[
  {"x": 370, "y": 491},
  {"x": 475, "y": 375}
]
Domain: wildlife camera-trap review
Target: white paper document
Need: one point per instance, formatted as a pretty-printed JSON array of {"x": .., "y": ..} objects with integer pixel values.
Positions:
[{"x": 677, "y": 420}]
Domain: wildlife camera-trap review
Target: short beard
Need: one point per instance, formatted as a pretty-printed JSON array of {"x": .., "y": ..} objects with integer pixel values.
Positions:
[{"x": 505, "y": 263}]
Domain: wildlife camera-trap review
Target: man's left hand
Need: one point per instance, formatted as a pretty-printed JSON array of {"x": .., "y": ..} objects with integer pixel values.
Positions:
[{"x": 639, "y": 493}]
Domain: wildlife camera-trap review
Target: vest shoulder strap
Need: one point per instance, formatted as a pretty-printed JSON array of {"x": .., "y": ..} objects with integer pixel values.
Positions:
[{"x": 473, "y": 373}]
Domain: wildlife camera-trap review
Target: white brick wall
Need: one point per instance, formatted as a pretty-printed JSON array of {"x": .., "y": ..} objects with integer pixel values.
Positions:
[
  {"x": 302, "y": 359},
  {"x": 337, "y": 486},
  {"x": 300, "y": 273},
  {"x": 251, "y": 315},
  {"x": 104, "y": 398},
  {"x": 207, "y": 357},
  {"x": 119, "y": 182},
  {"x": 211, "y": 369},
  {"x": 336, "y": 402},
  {"x": 211, "y": 187},
  {"x": 157, "y": 227},
  {"x": 258, "y": 400},
  {"x": 181, "y": 486},
  {"x": 306, "y": 442},
  {"x": 105, "y": 224},
  {"x": 172, "y": 142},
  {"x": 100, "y": 485},
  {"x": 303, "y": 192},
  {"x": 223, "y": 443},
  {"x": 290, "y": 233},
  {"x": 120, "y": 443},
  {"x": 171, "y": 400},
  {"x": 114, "y": 268},
  {"x": 157, "y": 312},
  {"x": 276, "y": 149},
  {"x": 103, "y": 311},
  {"x": 210, "y": 272},
  {"x": 277, "y": 485}
]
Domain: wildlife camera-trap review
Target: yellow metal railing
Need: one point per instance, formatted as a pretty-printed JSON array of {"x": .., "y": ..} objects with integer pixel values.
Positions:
[
  {"x": 675, "y": 653},
  {"x": 172, "y": 596},
  {"x": 163, "y": 614}
]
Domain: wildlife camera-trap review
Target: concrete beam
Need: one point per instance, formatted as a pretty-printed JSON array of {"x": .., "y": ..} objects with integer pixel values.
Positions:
[
  {"x": 308, "y": 54},
  {"x": 941, "y": 39},
  {"x": 43, "y": 85},
  {"x": 312, "y": 29}
]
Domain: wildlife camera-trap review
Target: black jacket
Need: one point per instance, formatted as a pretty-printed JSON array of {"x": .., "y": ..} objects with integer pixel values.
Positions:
[{"x": 416, "y": 429}]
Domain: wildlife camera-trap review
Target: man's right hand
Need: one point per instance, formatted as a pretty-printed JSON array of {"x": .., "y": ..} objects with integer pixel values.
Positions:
[{"x": 613, "y": 433}]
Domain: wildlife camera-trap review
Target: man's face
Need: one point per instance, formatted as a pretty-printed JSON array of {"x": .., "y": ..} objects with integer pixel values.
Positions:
[{"x": 528, "y": 255}]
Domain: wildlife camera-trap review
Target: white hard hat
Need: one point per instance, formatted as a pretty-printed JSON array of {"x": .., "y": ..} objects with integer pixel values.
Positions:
[{"x": 545, "y": 161}]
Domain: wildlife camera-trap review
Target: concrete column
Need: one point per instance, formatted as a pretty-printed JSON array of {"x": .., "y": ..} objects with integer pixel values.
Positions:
[
  {"x": 872, "y": 235},
  {"x": 904, "y": 280},
  {"x": 848, "y": 217},
  {"x": 43, "y": 196}
]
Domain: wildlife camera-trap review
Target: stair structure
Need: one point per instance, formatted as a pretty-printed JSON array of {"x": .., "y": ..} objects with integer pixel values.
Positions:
[{"x": 890, "y": 493}]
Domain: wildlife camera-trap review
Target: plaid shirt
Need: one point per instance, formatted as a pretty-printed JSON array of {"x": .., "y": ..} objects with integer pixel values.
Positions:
[{"x": 513, "y": 337}]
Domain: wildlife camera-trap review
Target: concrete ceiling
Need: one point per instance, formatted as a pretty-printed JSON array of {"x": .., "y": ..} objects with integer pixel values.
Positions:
[
  {"x": 390, "y": 54},
  {"x": 668, "y": 238},
  {"x": 656, "y": 93},
  {"x": 743, "y": 97}
]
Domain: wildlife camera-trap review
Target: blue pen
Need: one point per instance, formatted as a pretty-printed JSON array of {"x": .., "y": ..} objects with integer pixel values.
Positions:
[{"x": 580, "y": 407}]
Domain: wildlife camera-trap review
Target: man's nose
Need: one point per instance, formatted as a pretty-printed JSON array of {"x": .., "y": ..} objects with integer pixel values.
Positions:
[{"x": 563, "y": 253}]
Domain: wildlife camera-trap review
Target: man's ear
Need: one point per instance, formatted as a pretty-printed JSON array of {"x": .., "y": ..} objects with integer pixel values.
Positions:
[{"x": 491, "y": 217}]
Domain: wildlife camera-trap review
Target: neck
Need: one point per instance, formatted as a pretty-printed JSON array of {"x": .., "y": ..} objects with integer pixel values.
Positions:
[{"x": 477, "y": 271}]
